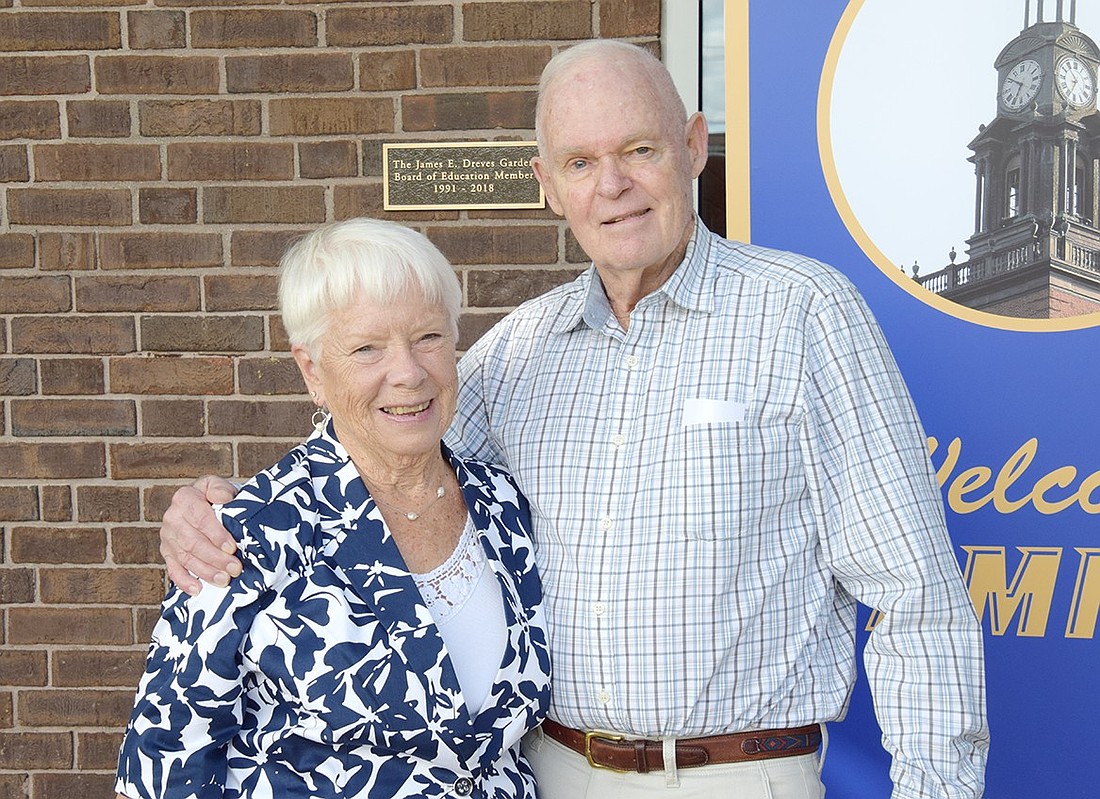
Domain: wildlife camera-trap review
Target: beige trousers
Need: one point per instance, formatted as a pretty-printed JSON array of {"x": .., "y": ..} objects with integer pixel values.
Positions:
[{"x": 564, "y": 774}]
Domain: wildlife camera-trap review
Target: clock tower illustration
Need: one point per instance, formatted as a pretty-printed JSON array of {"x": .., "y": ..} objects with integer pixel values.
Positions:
[{"x": 1035, "y": 251}]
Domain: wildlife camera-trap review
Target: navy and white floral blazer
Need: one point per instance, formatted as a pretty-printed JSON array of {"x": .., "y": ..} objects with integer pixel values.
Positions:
[{"x": 319, "y": 672}]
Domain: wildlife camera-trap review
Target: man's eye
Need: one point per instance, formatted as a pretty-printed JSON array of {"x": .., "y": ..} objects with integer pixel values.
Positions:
[
  {"x": 577, "y": 164},
  {"x": 643, "y": 150}
]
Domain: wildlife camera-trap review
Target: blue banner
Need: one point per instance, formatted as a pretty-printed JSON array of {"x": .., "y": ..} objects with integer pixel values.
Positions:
[{"x": 944, "y": 155}]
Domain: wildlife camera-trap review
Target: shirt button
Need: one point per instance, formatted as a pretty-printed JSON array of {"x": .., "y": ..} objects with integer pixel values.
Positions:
[
  {"x": 605, "y": 523},
  {"x": 618, "y": 440},
  {"x": 464, "y": 786},
  {"x": 603, "y": 697},
  {"x": 599, "y": 608},
  {"x": 631, "y": 361}
]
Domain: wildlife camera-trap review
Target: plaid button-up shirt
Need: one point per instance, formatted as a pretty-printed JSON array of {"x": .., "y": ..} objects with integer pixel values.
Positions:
[{"x": 713, "y": 488}]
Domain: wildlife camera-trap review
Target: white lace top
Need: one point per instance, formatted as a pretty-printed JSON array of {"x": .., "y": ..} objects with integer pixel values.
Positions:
[{"x": 466, "y": 604}]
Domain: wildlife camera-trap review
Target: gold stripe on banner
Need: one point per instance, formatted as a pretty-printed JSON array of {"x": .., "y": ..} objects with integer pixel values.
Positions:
[{"x": 738, "y": 173}]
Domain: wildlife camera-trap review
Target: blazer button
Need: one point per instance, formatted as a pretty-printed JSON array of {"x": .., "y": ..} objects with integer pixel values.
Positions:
[{"x": 464, "y": 786}]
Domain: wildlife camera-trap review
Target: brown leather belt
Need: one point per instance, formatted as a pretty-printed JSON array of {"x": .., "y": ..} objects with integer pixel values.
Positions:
[{"x": 618, "y": 753}]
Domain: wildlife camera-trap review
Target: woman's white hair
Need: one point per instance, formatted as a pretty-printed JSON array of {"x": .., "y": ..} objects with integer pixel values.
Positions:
[{"x": 326, "y": 270}]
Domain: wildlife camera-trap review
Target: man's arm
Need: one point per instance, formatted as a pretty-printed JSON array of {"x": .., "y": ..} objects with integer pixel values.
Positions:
[{"x": 192, "y": 541}]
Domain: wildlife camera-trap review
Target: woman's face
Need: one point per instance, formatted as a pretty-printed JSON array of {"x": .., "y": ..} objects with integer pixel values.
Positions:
[{"x": 387, "y": 374}]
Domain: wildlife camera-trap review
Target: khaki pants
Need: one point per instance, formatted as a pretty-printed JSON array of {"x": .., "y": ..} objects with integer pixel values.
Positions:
[{"x": 564, "y": 774}]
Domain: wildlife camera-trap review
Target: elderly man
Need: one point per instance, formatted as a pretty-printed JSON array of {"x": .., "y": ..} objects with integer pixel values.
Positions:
[{"x": 721, "y": 458}]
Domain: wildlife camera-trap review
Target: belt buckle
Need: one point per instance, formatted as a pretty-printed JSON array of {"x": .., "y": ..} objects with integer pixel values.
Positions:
[{"x": 603, "y": 735}]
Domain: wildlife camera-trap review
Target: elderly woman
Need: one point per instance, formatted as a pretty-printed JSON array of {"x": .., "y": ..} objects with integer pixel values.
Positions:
[{"x": 386, "y": 636}]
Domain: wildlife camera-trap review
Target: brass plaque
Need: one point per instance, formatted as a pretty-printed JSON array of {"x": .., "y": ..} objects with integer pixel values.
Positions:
[{"x": 460, "y": 175}]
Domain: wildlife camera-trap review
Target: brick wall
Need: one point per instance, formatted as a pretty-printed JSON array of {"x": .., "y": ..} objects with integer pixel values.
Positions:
[{"x": 155, "y": 158}]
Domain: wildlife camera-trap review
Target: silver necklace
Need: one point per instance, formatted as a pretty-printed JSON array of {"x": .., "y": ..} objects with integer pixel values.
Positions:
[{"x": 413, "y": 515}]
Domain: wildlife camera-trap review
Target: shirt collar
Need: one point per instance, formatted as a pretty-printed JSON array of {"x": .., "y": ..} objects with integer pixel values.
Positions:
[{"x": 689, "y": 286}]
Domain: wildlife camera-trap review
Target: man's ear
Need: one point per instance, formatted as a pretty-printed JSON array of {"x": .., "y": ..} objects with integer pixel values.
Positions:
[
  {"x": 543, "y": 176},
  {"x": 310, "y": 370},
  {"x": 696, "y": 136}
]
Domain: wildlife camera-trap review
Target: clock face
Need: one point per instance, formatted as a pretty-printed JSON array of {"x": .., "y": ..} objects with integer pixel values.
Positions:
[
  {"x": 1075, "y": 81},
  {"x": 1021, "y": 85}
]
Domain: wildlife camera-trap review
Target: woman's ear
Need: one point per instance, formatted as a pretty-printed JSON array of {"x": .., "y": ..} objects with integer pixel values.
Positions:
[{"x": 311, "y": 373}]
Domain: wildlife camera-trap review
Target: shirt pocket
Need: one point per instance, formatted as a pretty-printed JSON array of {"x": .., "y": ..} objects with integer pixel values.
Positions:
[{"x": 740, "y": 480}]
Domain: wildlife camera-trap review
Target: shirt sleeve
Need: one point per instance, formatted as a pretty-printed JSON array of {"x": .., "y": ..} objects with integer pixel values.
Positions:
[
  {"x": 189, "y": 700},
  {"x": 886, "y": 542},
  {"x": 469, "y": 434}
]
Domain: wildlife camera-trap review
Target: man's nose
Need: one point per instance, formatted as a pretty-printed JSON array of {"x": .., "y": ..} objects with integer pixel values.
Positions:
[{"x": 612, "y": 179}]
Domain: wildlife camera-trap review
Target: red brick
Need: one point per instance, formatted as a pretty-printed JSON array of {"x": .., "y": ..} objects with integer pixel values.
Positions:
[
  {"x": 98, "y": 118},
  {"x": 86, "y": 586},
  {"x": 261, "y": 247},
  {"x": 276, "y": 335},
  {"x": 75, "y": 708},
  {"x": 95, "y": 750},
  {"x": 18, "y": 503},
  {"x": 89, "y": 162},
  {"x": 165, "y": 460},
  {"x": 32, "y": 119},
  {"x": 52, "y": 461},
  {"x": 483, "y": 66},
  {"x": 16, "y": 586},
  {"x": 387, "y": 71},
  {"x": 58, "y": 545},
  {"x": 14, "y": 166},
  {"x": 69, "y": 206},
  {"x": 17, "y": 377},
  {"x": 363, "y": 26},
  {"x": 207, "y": 161},
  {"x": 468, "y": 111},
  {"x": 167, "y": 375},
  {"x": 620, "y": 19},
  {"x": 148, "y": 292},
  {"x": 159, "y": 250},
  {"x": 156, "y": 500},
  {"x": 259, "y": 418},
  {"x": 200, "y": 117},
  {"x": 507, "y": 288},
  {"x": 328, "y": 159},
  {"x": 144, "y": 621},
  {"x": 73, "y": 417},
  {"x": 14, "y": 785},
  {"x": 263, "y": 204},
  {"x": 57, "y": 503},
  {"x": 34, "y": 295},
  {"x": 66, "y": 251},
  {"x": 52, "y": 74},
  {"x": 240, "y": 292},
  {"x": 256, "y": 456},
  {"x": 202, "y": 333},
  {"x": 61, "y": 784},
  {"x": 269, "y": 375},
  {"x": 72, "y": 335},
  {"x": 79, "y": 668},
  {"x": 331, "y": 116},
  {"x": 22, "y": 667},
  {"x": 16, "y": 251},
  {"x": 137, "y": 545},
  {"x": 36, "y": 750},
  {"x": 7, "y": 712},
  {"x": 253, "y": 28},
  {"x": 554, "y": 19},
  {"x": 172, "y": 418},
  {"x": 473, "y": 325},
  {"x": 72, "y": 376},
  {"x": 108, "y": 503},
  {"x": 75, "y": 626},
  {"x": 162, "y": 206},
  {"x": 157, "y": 30},
  {"x": 290, "y": 72},
  {"x": 30, "y": 31},
  {"x": 155, "y": 74},
  {"x": 513, "y": 244}
]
